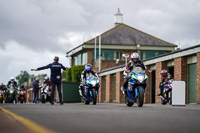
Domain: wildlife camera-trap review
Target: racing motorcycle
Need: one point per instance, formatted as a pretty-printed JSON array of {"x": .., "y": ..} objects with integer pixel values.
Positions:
[
  {"x": 91, "y": 89},
  {"x": 46, "y": 93},
  {"x": 1, "y": 96},
  {"x": 21, "y": 97},
  {"x": 136, "y": 87},
  {"x": 11, "y": 94},
  {"x": 166, "y": 96}
]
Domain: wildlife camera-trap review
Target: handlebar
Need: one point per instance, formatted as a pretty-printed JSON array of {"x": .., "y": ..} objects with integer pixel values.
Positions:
[{"x": 32, "y": 69}]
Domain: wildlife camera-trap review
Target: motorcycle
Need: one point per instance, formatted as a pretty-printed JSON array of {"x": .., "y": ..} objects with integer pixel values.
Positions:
[
  {"x": 1, "y": 96},
  {"x": 11, "y": 94},
  {"x": 22, "y": 97},
  {"x": 91, "y": 89},
  {"x": 166, "y": 96},
  {"x": 46, "y": 94},
  {"x": 136, "y": 87}
]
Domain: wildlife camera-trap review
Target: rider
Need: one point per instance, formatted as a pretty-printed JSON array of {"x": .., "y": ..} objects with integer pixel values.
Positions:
[
  {"x": 165, "y": 77},
  {"x": 2, "y": 87},
  {"x": 47, "y": 82},
  {"x": 84, "y": 74},
  {"x": 130, "y": 65},
  {"x": 22, "y": 88},
  {"x": 12, "y": 80}
]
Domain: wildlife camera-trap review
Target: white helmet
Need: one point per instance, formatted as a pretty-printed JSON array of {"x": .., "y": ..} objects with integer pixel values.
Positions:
[
  {"x": 12, "y": 79},
  {"x": 135, "y": 56},
  {"x": 47, "y": 77}
]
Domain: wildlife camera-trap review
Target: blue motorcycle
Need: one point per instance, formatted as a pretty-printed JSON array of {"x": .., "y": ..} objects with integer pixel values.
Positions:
[
  {"x": 136, "y": 87},
  {"x": 166, "y": 96},
  {"x": 91, "y": 90}
]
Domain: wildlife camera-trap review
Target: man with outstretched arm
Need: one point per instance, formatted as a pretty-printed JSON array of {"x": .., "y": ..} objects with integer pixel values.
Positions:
[{"x": 55, "y": 77}]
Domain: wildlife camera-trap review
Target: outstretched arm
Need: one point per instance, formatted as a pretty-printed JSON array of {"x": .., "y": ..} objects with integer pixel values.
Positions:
[
  {"x": 64, "y": 68},
  {"x": 44, "y": 67}
]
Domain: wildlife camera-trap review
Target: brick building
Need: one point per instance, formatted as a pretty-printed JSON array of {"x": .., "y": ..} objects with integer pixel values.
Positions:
[
  {"x": 184, "y": 65},
  {"x": 121, "y": 39}
]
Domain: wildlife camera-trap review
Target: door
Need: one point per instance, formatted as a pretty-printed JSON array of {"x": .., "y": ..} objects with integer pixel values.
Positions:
[
  {"x": 171, "y": 71},
  {"x": 192, "y": 78}
]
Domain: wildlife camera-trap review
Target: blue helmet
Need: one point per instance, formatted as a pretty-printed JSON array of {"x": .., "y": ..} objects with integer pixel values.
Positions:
[{"x": 88, "y": 67}]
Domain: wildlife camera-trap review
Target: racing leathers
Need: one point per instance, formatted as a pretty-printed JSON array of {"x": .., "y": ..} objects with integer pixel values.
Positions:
[
  {"x": 163, "y": 82},
  {"x": 130, "y": 65},
  {"x": 85, "y": 74}
]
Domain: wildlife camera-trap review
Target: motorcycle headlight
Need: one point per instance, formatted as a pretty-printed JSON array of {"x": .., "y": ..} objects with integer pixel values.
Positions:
[
  {"x": 140, "y": 78},
  {"x": 11, "y": 91},
  {"x": 93, "y": 83}
]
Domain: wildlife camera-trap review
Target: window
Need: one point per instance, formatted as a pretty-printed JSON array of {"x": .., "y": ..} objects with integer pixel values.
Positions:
[
  {"x": 150, "y": 54},
  {"x": 107, "y": 54},
  {"x": 77, "y": 59},
  {"x": 84, "y": 58}
]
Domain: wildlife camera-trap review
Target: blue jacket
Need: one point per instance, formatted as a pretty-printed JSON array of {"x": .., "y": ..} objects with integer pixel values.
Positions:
[
  {"x": 55, "y": 71},
  {"x": 35, "y": 86}
]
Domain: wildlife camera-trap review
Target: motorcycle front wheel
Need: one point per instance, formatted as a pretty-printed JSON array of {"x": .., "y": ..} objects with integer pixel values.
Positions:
[
  {"x": 94, "y": 97},
  {"x": 43, "y": 99},
  {"x": 1, "y": 100},
  {"x": 140, "y": 98}
]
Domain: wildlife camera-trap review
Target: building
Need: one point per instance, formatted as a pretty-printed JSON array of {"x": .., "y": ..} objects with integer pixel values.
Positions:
[
  {"x": 119, "y": 40},
  {"x": 183, "y": 64}
]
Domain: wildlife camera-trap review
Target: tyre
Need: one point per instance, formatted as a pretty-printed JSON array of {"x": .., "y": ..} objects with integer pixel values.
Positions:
[
  {"x": 128, "y": 103},
  {"x": 170, "y": 99},
  {"x": 86, "y": 102},
  {"x": 163, "y": 102},
  {"x": 21, "y": 101},
  {"x": 1, "y": 100},
  {"x": 94, "y": 97},
  {"x": 43, "y": 99},
  {"x": 140, "y": 98}
]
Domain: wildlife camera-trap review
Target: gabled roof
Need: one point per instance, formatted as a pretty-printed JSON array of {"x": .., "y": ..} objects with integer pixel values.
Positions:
[{"x": 123, "y": 34}]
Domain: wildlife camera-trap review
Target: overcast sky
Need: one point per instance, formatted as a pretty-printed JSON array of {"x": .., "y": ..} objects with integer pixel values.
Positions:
[{"x": 32, "y": 32}]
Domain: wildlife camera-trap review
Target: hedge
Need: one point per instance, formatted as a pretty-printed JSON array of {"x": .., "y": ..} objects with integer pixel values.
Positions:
[
  {"x": 76, "y": 73},
  {"x": 68, "y": 77},
  {"x": 73, "y": 74}
]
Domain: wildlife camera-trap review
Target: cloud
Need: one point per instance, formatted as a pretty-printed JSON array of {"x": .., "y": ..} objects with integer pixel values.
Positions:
[
  {"x": 32, "y": 32},
  {"x": 16, "y": 58}
]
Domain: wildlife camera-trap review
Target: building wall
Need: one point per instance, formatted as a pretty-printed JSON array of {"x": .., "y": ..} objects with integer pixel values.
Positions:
[
  {"x": 147, "y": 98},
  {"x": 109, "y": 86},
  {"x": 119, "y": 81},
  {"x": 159, "y": 67},
  {"x": 198, "y": 79},
  {"x": 180, "y": 72},
  {"x": 89, "y": 54}
]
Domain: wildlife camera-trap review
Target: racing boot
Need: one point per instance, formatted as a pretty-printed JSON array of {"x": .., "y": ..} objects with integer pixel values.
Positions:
[{"x": 123, "y": 88}]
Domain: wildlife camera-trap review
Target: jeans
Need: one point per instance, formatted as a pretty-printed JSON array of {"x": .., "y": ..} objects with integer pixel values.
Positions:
[{"x": 36, "y": 95}]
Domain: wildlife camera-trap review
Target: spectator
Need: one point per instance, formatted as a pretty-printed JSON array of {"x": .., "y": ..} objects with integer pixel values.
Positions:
[{"x": 36, "y": 89}]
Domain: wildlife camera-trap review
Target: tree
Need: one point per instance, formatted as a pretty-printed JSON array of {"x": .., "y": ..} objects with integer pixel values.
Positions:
[{"x": 23, "y": 77}]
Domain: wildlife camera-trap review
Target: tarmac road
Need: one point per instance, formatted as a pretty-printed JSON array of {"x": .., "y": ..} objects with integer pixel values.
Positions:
[{"x": 111, "y": 118}]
